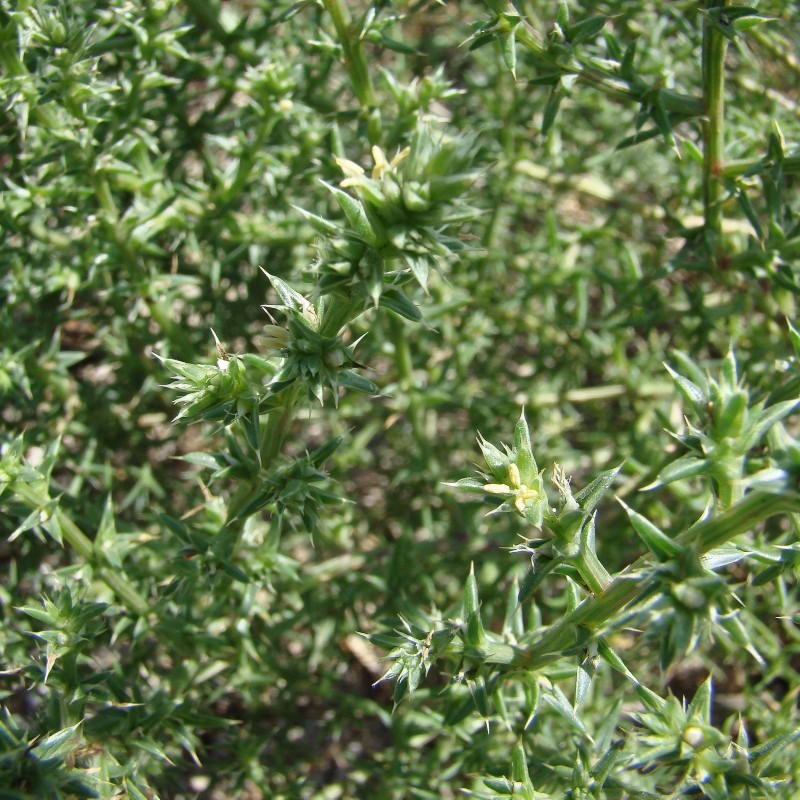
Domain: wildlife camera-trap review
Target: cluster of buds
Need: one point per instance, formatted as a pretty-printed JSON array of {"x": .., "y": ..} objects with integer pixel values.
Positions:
[
  {"x": 727, "y": 427},
  {"x": 684, "y": 738},
  {"x": 396, "y": 217},
  {"x": 298, "y": 490},
  {"x": 566, "y": 530},
  {"x": 220, "y": 392},
  {"x": 318, "y": 361},
  {"x": 528, "y": 500},
  {"x": 513, "y": 477}
]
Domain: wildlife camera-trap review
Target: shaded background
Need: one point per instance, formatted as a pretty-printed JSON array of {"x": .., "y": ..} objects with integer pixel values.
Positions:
[{"x": 151, "y": 156}]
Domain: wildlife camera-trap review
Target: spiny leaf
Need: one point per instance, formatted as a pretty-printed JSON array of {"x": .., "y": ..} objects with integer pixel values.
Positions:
[
  {"x": 589, "y": 497},
  {"x": 356, "y": 216},
  {"x": 657, "y": 542}
]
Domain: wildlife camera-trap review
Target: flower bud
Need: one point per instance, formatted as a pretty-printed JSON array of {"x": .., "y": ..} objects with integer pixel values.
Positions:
[{"x": 694, "y": 736}]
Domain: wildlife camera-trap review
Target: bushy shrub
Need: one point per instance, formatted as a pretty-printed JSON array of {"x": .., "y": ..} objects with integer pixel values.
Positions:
[{"x": 268, "y": 269}]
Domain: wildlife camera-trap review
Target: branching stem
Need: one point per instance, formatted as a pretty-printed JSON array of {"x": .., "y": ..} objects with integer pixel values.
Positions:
[
  {"x": 405, "y": 371},
  {"x": 713, "y": 66},
  {"x": 35, "y": 495},
  {"x": 596, "y": 611},
  {"x": 606, "y": 81},
  {"x": 355, "y": 60}
]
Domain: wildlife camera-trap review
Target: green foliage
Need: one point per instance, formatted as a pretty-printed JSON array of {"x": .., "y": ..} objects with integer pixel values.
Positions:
[{"x": 240, "y": 555}]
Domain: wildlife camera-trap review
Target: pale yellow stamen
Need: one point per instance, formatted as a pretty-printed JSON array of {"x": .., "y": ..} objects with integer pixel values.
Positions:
[
  {"x": 523, "y": 495},
  {"x": 381, "y": 164},
  {"x": 349, "y": 168},
  {"x": 399, "y": 157}
]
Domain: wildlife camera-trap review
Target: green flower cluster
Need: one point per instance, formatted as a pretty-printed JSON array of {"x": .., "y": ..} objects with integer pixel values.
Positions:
[
  {"x": 317, "y": 361},
  {"x": 727, "y": 426},
  {"x": 397, "y": 219},
  {"x": 566, "y": 539},
  {"x": 216, "y": 392}
]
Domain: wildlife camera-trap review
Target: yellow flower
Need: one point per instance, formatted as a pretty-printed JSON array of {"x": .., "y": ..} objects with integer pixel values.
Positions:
[
  {"x": 351, "y": 170},
  {"x": 354, "y": 173},
  {"x": 381, "y": 164},
  {"x": 522, "y": 494}
]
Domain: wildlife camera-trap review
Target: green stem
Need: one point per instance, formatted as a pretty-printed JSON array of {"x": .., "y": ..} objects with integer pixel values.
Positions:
[
  {"x": 672, "y": 102},
  {"x": 232, "y": 193},
  {"x": 740, "y": 518},
  {"x": 405, "y": 378},
  {"x": 713, "y": 66},
  {"x": 130, "y": 598},
  {"x": 595, "y": 394},
  {"x": 787, "y": 252},
  {"x": 595, "y": 575},
  {"x": 727, "y": 474},
  {"x": 783, "y": 50},
  {"x": 278, "y": 426},
  {"x": 34, "y": 497},
  {"x": 162, "y": 312},
  {"x": 594, "y": 612},
  {"x": 760, "y": 166},
  {"x": 509, "y": 172},
  {"x": 402, "y": 356},
  {"x": 335, "y": 312},
  {"x": 355, "y": 60},
  {"x": 105, "y": 197}
]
